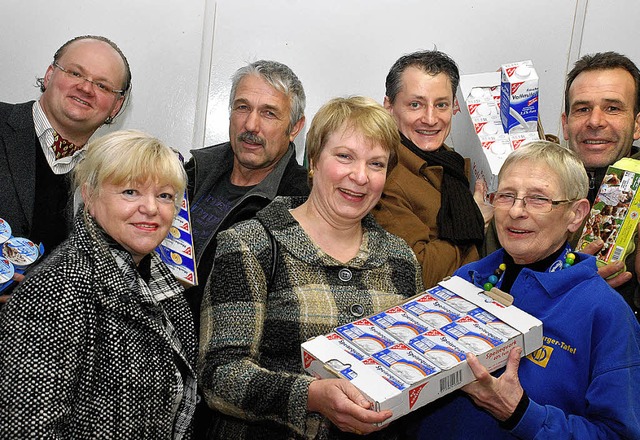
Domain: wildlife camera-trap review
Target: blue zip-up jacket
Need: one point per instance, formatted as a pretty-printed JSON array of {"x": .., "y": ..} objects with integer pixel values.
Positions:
[{"x": 585, "y": 381}]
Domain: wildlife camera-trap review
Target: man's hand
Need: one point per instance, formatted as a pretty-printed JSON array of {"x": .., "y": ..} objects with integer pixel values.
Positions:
[
  {"x": 499, "y": 396},
  {"x": 608, "y": 270},
  {"x": 480, "y": 197}
]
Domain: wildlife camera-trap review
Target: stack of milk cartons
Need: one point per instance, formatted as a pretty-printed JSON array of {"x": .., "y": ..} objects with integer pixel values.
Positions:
[{"x": 495, "y": 113}]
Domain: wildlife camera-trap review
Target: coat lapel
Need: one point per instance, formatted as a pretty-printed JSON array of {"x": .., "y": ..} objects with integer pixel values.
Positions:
[{"x": 19, "y": 144}]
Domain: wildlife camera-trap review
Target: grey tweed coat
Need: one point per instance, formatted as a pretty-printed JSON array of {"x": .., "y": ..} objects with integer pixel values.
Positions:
[
  {"x": 83, "y": 357},
  {"x": 250, "y": 364}
]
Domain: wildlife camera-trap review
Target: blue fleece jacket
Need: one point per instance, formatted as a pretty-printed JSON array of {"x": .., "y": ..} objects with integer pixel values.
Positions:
[{"x": 583, "y": 383}]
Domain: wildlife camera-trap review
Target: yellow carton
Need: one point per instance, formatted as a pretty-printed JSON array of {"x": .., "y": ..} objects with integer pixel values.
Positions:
[{"x": 615, "y": 212}]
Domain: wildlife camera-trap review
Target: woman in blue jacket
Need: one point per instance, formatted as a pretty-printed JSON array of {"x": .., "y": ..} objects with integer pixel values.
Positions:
[{"x": 585, "y": 380}]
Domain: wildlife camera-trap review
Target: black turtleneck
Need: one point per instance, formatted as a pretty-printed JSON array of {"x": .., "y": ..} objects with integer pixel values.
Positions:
[{"x": 513, "y": 269}]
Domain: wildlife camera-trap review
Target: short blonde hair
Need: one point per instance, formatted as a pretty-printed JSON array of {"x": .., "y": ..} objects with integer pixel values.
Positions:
[
  {"x": 564, "y": 162},
  {"x": 359, "y": 113},
  {"x": 129, "y": 156}
]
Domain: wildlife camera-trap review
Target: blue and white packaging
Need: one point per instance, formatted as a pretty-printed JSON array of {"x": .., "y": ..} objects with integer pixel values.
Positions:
[
  {"x": 340, "y": 342},
  {"x": 366, "y": 336},
  {"x": 399, "y": 324},
  {"x": 176, "y": 250},
  {"x": 405, "y": 363},
  {"x": 493, "y": 323},
  {"x": 17, "y": 254},
  {"x": 372, "y": 365},
  {"x": 473, "y": 335},
  {"x": 431, "y": 310},
  {"x": 519, "y": 97},
  {"x": 452, "y": 300},
  {"x": 439, "y": 349},
  {"x": 323, "y": 358}
]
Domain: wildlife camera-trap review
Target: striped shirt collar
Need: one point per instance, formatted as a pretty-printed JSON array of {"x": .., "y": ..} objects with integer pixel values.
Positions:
[{"x": 44, "y": 132}]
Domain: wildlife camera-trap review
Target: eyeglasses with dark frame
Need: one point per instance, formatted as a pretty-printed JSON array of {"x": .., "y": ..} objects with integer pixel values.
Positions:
[
  {"x": 79, "y": 76},
  {"x": 538, "y": 204}
]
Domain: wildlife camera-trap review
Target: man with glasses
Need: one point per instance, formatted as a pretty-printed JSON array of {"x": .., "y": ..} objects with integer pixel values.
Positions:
[{"x": 40, "y": 142}]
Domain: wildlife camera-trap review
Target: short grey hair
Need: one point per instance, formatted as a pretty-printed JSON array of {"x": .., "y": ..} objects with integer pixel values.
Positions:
[
  {"x": 574, "y": 182},
  {"x": 281, "y": 78}
]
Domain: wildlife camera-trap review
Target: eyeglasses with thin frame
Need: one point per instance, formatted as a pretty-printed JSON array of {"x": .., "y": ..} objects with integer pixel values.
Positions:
[
  {"x": 102, "y": 87},
  {"x": 538, "y": 204}
]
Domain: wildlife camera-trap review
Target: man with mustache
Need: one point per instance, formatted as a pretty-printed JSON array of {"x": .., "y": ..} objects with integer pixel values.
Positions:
[
  {"x": 600, "y": 121},
  {"x": 232, "y": 181},
  {"x": 41, "y": 141}
]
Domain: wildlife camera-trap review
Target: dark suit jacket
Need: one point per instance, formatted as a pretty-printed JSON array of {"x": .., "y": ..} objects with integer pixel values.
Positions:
[{"x": 17, "y": 166}]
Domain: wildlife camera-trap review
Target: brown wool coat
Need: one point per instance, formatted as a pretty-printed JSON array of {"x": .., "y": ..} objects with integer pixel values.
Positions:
[{"x": 409, "y": 207}]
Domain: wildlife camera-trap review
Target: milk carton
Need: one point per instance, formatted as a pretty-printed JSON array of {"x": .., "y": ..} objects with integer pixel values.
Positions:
[
  {"x": 519, "y": 97},
  {"x": 519, "y": 139},
  {"x": 476, "y": 131}
]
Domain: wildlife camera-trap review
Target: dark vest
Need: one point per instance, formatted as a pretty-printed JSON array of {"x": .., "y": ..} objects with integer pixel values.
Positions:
[{"x": 51, "y": 224}]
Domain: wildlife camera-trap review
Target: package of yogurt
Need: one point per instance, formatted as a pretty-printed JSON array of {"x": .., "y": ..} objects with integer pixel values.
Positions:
[
  {"x": 473, "y": 335},
  {"x": 494, "y": 323},
  {"x": 20, "y": 252},
  {"x": 381, "y": 371},
  {"x": 405, "y": 363},
  {"x": 431, "y": 310},
  {"x": 451, "y": 299},
  {"x": 366, "y": 336},
  {"x": 338, "y": 340},
  {"x": 439, "y": 349},
  {"x": 6, "y": 272},
  {"x": 399, "y": 324},
  {"x": 5, "y": 231}
]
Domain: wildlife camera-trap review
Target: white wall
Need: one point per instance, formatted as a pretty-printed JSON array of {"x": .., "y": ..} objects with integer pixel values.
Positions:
[
  {"x": 182, "y": 54},
  {"x": 161, "y": 39},
  {"x": 339, "y": 47}
]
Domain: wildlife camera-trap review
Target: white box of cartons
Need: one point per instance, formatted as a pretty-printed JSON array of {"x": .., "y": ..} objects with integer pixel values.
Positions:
[{"x": 324, "y": 359}]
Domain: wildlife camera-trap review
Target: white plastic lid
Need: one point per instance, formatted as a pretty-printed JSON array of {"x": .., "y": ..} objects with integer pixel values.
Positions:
[
  {"x": 6, "y": 270},
  {"x": 490, "y": 129},
  {"x": 523, "y": 71},
  {"x": 20, "y": 251},
  {"x": 5, "y": 231},
  {"x": 498, "y": 148},
  {"x": 478, "y": 92},
  {"x": 483, "y": 110}
]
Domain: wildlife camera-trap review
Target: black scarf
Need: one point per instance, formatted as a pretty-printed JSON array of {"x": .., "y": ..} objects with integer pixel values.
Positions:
[{"x": 459, "y": 219}]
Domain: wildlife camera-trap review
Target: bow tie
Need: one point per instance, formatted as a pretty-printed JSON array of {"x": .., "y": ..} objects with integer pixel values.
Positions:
[{"x": 62, "y": 147}]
